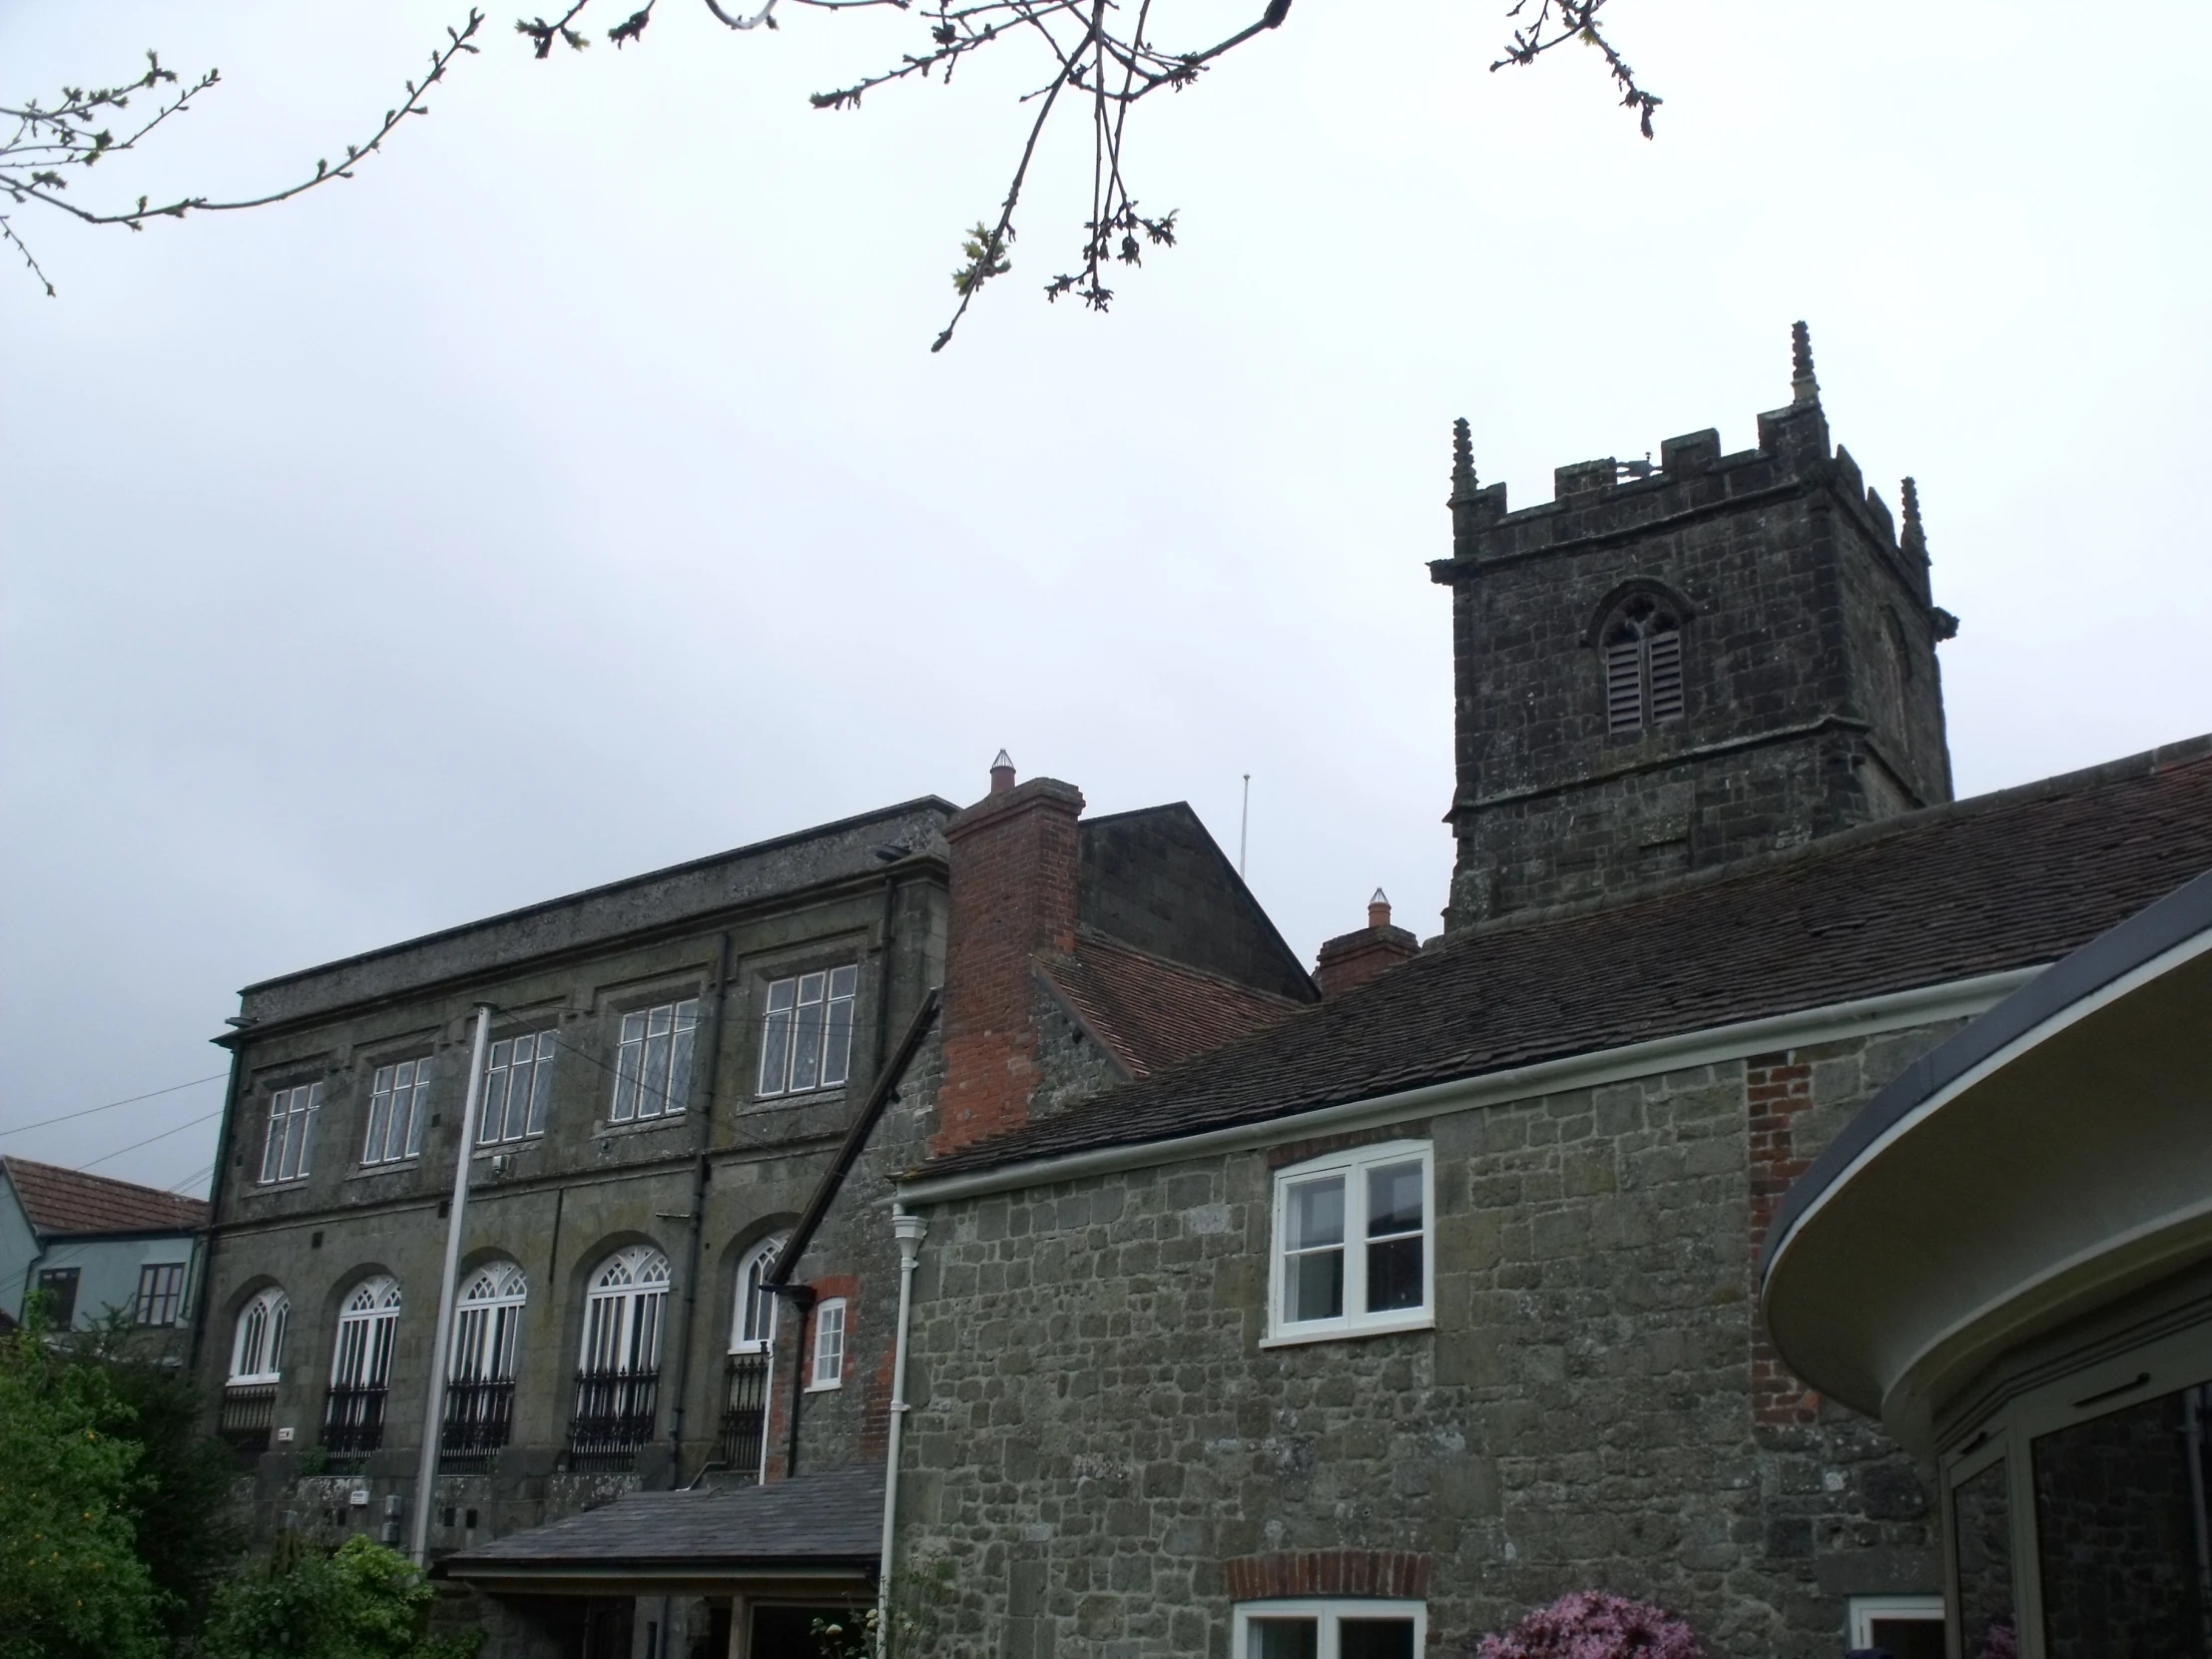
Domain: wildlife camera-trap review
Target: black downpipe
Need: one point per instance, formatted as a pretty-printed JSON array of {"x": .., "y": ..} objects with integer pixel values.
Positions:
[
  {"x": 802, "y": 1299},
  {"x": 698, "y": 1219},
  {"x": 223, "y": 1138}
]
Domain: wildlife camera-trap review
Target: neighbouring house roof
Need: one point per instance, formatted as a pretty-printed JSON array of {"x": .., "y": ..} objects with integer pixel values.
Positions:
[
  {"x": 68, "y": 1202},
  {"x": 2008, "y": 880},
  {"x": 831, "y": 1519},
  {"x": 1151, "y": 1013}
]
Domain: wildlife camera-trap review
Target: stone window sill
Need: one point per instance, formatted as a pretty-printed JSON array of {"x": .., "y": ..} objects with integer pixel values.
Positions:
[{"x": 1350, "y": 1333}]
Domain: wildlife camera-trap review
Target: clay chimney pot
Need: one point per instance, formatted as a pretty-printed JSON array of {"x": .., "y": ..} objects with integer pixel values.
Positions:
[
  {"x": 1002, "y": 773},
  {"x": 1379, "y": 909}
]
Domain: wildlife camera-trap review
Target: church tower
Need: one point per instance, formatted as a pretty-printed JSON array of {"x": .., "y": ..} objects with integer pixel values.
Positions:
[{"x": 1667, "y": 668}]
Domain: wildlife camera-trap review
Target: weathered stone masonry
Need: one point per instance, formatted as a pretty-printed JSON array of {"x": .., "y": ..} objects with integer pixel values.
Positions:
[{"x": 1098, "y": 1435}]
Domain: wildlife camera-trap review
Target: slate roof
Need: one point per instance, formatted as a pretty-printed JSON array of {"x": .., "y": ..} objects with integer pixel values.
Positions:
[
  {"x": 835, "y": 1517},
  {"x": 69, "y": 1203},
  {"x": 2004, "y": 881},
  {"x": 1152, "y": 1013}
]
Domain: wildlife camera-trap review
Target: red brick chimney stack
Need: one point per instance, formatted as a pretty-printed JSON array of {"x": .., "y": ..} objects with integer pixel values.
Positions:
[
  {"x": 1352, "y": 959},
  {"x": 1016, "y": 857}
]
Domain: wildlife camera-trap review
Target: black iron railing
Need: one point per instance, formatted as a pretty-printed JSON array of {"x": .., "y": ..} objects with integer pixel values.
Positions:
[
  {"x": 352, "y": 1422},
  {"x": 745, "y": 1414},
  {"x": 613, "y": 1416},
  {"x": 247, "y": 1411},
  {"x": 479, "y": 1416}
]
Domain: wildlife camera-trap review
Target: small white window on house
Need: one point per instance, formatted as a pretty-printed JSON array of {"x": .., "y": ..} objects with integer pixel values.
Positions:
[
  {"x": 1349, "y": 1629},
  {"x": 653, "y": 1066},
  {"x": 828, "y": 1369},
  {"x": 487, "y": 1324},
  {"x": 360, "y": 1359},
  {"x": 397, "y": 1099},
  {"x": 257, "y": 1349},
  {"x": 1642, "y": 649},
  {"x": 753, "y": 1319},
  {"x": 160, "y": 1293},
  {"x": 518, "y": 1086},
  {"x": 1351, "y": 1250},
  {"x": 807, "y": 1034},
  {"x": 292, "y": 1114}
]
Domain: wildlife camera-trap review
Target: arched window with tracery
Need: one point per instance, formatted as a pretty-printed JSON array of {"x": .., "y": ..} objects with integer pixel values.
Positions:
[
  {"x": 361, "y": 1368},
  {"x": 480, "y": 1373},
  {"x": 752, "y": 1348},
  {"x": 257, "y": 1366},
  {"x": 618, "y": 1375},
  {"x": 1641, "y": 646}
]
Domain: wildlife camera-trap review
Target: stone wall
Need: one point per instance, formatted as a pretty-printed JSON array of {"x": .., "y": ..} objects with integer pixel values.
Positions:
[{"x": 1098, "y": 1431}]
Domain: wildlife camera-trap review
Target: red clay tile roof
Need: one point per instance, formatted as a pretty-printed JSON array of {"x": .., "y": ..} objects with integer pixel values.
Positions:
[
  {"x": 1151, "y": 1013},
  {"x": 2006, "y": 881},
  {"x": 67, "y": 1202}
]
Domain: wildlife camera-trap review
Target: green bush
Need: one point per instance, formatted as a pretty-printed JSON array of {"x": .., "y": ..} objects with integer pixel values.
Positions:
[
  {"x": 72, "y": 1582},
  {"x": 363, "y": 1601}
]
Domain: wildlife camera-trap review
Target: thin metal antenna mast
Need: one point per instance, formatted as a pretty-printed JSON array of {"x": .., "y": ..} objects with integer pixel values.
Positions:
[{"x": 1244, "y": 828}]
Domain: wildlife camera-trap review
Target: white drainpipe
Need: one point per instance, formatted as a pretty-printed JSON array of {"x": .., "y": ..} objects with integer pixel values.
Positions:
[{"x": 910, "y": 1229}]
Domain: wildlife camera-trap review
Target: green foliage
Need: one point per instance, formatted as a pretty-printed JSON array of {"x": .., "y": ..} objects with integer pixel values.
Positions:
[
  {"x": 186, "y": 1533},
  {"x": 362, "y": 1602},
  {"x": 72, "y": 1583}
]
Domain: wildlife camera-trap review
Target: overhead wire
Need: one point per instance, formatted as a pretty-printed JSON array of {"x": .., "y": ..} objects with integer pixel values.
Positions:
[{"x": 86, "y": 1112}]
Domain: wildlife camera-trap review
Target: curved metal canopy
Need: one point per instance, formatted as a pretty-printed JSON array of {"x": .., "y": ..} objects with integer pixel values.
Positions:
[{"x": 2048, "y": 1158}]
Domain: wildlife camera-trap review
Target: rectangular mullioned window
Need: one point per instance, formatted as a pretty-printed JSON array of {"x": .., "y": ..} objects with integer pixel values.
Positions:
[
  {"x": 518, "y": 1087},
  {"x": 806, "y": 1034},
  {"x": 653, "y": 1064},
  {"x": 1353, "y": 1244},
  {"x": 397, "y": 1098},
  {"x": 828, "y": 1367},
  {"x": 288, "y": 1153}
]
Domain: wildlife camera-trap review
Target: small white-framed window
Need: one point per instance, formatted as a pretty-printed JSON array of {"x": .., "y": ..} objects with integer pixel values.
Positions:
[
  {"x": 258, "y": 1347},
  {"x": 160, "y": 1293},
  {"x": 1345, "y": 1629},
  {"x": 518, "y": 1085},
  {"x": 752, "y": 1319},
  {"x": 828, "y": 1368},
  {"x": 806, "y": 1034},
  {"x": 397, "y": 1099},
  {"x": 1904, "y": 1627},
  {"x": 653, "y": 1064},
  {"x": 292, "y": 1113},
  {"x": 1351, "y": 1251}
]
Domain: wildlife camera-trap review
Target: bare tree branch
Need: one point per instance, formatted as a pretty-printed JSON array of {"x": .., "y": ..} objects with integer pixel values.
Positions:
[{"x": 48, "y": 142}]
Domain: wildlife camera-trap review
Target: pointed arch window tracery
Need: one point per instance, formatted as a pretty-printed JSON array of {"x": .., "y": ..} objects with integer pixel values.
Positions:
[{"x": 1640, "y": 646}]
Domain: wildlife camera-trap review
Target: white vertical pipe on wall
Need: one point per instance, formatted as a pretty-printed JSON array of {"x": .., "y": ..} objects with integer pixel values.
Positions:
[
  {"x": 434, "y": 1415},
  {"x": 910, "y": 1229}
]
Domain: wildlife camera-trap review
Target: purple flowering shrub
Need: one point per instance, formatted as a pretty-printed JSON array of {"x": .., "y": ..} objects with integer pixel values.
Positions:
[{"x": 1590, "y": 1624}]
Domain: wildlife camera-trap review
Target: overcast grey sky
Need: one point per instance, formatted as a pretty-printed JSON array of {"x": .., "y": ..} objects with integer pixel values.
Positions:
[{"x": 574, "y": 493}]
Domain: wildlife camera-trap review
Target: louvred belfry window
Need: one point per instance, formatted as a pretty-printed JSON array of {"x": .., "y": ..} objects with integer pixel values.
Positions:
[{"x": 1642, "y": 649}]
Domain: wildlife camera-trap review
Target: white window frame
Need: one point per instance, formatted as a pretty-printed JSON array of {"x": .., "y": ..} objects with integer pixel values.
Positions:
[
  {"x": 1353, "y": 1163},
  {"x": 499, "y": 1064},
  {"x": 160, "y": 1290},
  {"x": 624, "y": 1313},
  {"x": 1327, "y": 1613},
  {"x": 816, "y": 1005},
  {"x": 487, "y": 1324},
  {"x": 1863, "y": 1610},
  {"x": 274, "y": 1311},
  {"x": 827, "y": 1367},
  {"x": 640, "y": 1094},
  {"x": 282, "y": 1158},
  {"x": 753, "y": 1310},
  {"x": 368, "y": 1326},
  {"x": 397, "y": 1110}
]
